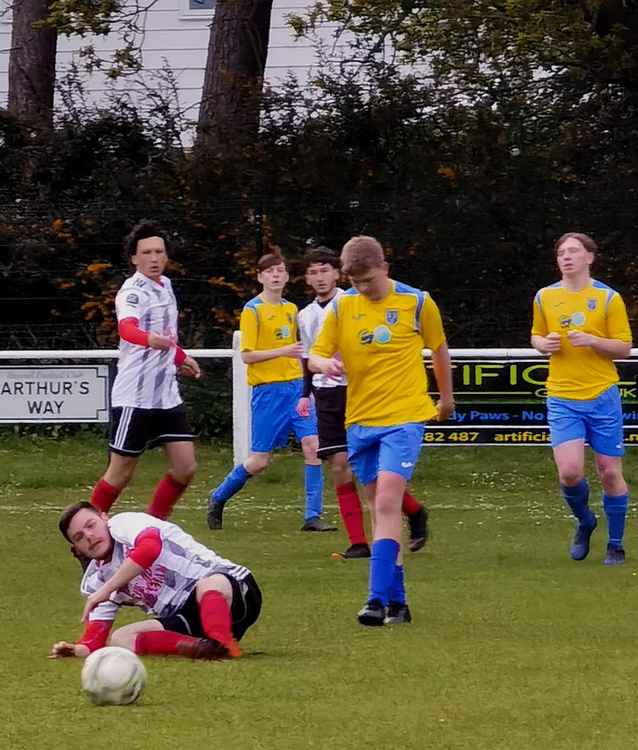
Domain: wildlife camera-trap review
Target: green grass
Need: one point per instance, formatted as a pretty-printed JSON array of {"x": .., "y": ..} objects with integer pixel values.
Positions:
[{"x": 513, "y": 645}]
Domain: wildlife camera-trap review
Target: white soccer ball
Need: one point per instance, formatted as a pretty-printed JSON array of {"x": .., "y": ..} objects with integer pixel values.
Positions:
[{"x": 113, "y": 676}]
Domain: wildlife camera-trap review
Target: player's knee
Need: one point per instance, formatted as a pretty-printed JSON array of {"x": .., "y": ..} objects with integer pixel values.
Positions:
[
  {"x": 257, "y": 463},
  {"x": 184, "y": 474},
  {"x": 341, "y": 472},
  {"x": 610, "y": 476},
  {"x": 310, "y": 446},
  {"x": 386, "y": 505},
  {"x": 119, "y": 476},
  {"x": 123, "y": 638},
  {"x": 570, "y": 474}
]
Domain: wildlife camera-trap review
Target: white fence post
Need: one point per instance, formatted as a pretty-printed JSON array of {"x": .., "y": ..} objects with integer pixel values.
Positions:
[{"x": 241, "y": 405}]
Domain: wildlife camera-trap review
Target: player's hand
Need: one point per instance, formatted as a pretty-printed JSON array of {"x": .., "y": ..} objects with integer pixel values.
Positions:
[
  {"x": 92, "y": 601},
  {"x": 334, "y": 368},
  {"x": 157, "y": 341},
  {"x": 552, "y": 342},
  {"x": 578, "y": 338},
  {"x": 444, "y": 410},
  {"x": 61, "y": 649},
  {"x": 303, "y": 407},
  {"x": 190, "y": 368},
  {"x": 296, "y": 351}
]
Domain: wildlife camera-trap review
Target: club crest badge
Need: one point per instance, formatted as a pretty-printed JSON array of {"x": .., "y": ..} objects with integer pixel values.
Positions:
[
  {"x": 391, "y": 317},
  {"x": 591, "y": 304}
]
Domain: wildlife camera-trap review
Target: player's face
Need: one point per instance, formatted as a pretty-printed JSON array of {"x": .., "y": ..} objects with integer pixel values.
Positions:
[
  {"x": 150, "y": 257},
  {"x": 573, "y": 258},
  {"x": 372, "y": 283},
  {"x": 323, "y": 278},
  {"x": 89, "y": 533},
  {"x": 273, "y": 279}
]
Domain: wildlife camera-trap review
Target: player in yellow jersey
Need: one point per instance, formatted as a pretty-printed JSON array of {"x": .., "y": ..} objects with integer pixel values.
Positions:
[
  {"x": 581, "y": 324},
  {"x": 270, "y": 348},
  {"x": 379, "y": 328}
]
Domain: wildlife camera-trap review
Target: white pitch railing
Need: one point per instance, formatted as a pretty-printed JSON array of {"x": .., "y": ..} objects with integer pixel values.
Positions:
[{"x": 241, "y": 390}]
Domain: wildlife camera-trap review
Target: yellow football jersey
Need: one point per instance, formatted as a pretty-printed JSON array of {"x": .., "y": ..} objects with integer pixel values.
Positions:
[
  {"x": 579, "y": 372},
  {"x": 380, "y": 344},
  {"x": 267, "y": 326}
]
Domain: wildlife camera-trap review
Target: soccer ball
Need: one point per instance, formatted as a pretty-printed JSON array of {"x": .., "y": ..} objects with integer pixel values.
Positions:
[{"x": 113, "y": 676}]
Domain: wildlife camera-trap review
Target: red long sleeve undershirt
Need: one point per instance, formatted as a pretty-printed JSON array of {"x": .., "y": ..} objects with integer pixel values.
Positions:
[
  {"x": 129, "y": 329},
  {"x": 147, "y": 548}
]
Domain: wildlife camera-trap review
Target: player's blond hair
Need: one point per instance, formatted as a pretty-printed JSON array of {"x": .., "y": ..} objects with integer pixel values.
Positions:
[
  {"x": 360, "y": 254},
  {"x": 585, "y": 240}
]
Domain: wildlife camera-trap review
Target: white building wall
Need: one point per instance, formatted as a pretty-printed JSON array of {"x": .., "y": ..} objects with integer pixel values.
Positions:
[{"x": 178, "y": 34}]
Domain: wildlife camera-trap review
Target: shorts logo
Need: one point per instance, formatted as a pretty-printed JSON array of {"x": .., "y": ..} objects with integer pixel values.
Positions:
[
  {"x": 406, "y": 464},
  {"x": 591, "y": 304},
  {"x": 391, "y": 317},
  {"x": 282, "y": 333},
  {"x": 133, "y": 299}
]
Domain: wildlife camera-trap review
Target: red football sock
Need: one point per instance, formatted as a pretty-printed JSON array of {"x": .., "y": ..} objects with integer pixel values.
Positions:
[
  {"x": 410, "y": 504},
  {"x": 104, "y": 495},
  {"x": 166, "y": 494},
  {"x": 164, "y": 643},
  {"x": 351, "y": 513},
  {"x": 216, "y": 618}
]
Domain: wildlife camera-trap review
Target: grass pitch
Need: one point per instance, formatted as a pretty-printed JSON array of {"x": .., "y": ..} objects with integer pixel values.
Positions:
[{"x": 513, "y": 645}]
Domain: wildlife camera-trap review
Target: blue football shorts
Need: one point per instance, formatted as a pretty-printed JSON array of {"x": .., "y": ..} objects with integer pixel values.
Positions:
[
  {"x": 274, "y": 416},
  {"x": 375, "y": 449},
  {"x": 597, "y": 421}
]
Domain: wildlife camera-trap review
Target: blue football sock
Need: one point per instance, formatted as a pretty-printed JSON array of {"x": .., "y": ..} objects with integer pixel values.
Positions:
[
  {"x": 615, "y": 507},
  {"x": 313, "y": 480},
  {"x": 397, "y": 590},
  {"x": 233, "y": 482},
  {"x": 382, "y": 567},
  {"x": 577, "y": 497}
]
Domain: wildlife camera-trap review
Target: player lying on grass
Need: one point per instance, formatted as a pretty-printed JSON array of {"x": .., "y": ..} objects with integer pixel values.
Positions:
[{"x": 202, "y": 603}]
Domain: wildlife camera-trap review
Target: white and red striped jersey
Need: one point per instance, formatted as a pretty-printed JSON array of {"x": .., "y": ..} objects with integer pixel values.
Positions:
[
  {"x": 310, "y": 321},
  {"x": 146, "y": 378},
  {"x": 164, "y": 587}
]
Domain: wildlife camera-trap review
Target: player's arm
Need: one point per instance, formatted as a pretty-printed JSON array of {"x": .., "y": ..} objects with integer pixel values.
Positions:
[
  {"x": 294, "y": 351},
  {"x": 617, "y": 345},
  {"x": 544, "y": 341},
  {"x": 433, "y": 337},
  {"x": 250, "y": 354},
  {"x": 130, "y": 306},
  {"x": 147, "y": 548},
  {"x": 322, "y": 354},
  {"x": 442, "y": 367},
  {"x": 96, "y": 634},
  {"x": 611, "y": 348}
]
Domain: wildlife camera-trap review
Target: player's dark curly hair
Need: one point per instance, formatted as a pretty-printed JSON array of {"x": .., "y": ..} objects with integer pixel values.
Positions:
[
  {"x": 321, "y": 254},
  {"x": 69, "y": 513},
  {"x": 144, "y": 229}
]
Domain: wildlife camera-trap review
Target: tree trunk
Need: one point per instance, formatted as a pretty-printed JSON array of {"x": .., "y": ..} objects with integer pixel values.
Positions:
[
  {"x": 237, "y": 52},
  {"x": 32, "y": 63}
]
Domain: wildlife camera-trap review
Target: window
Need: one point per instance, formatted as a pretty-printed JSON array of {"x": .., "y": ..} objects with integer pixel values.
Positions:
[{"x": 197, "y": 8}]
